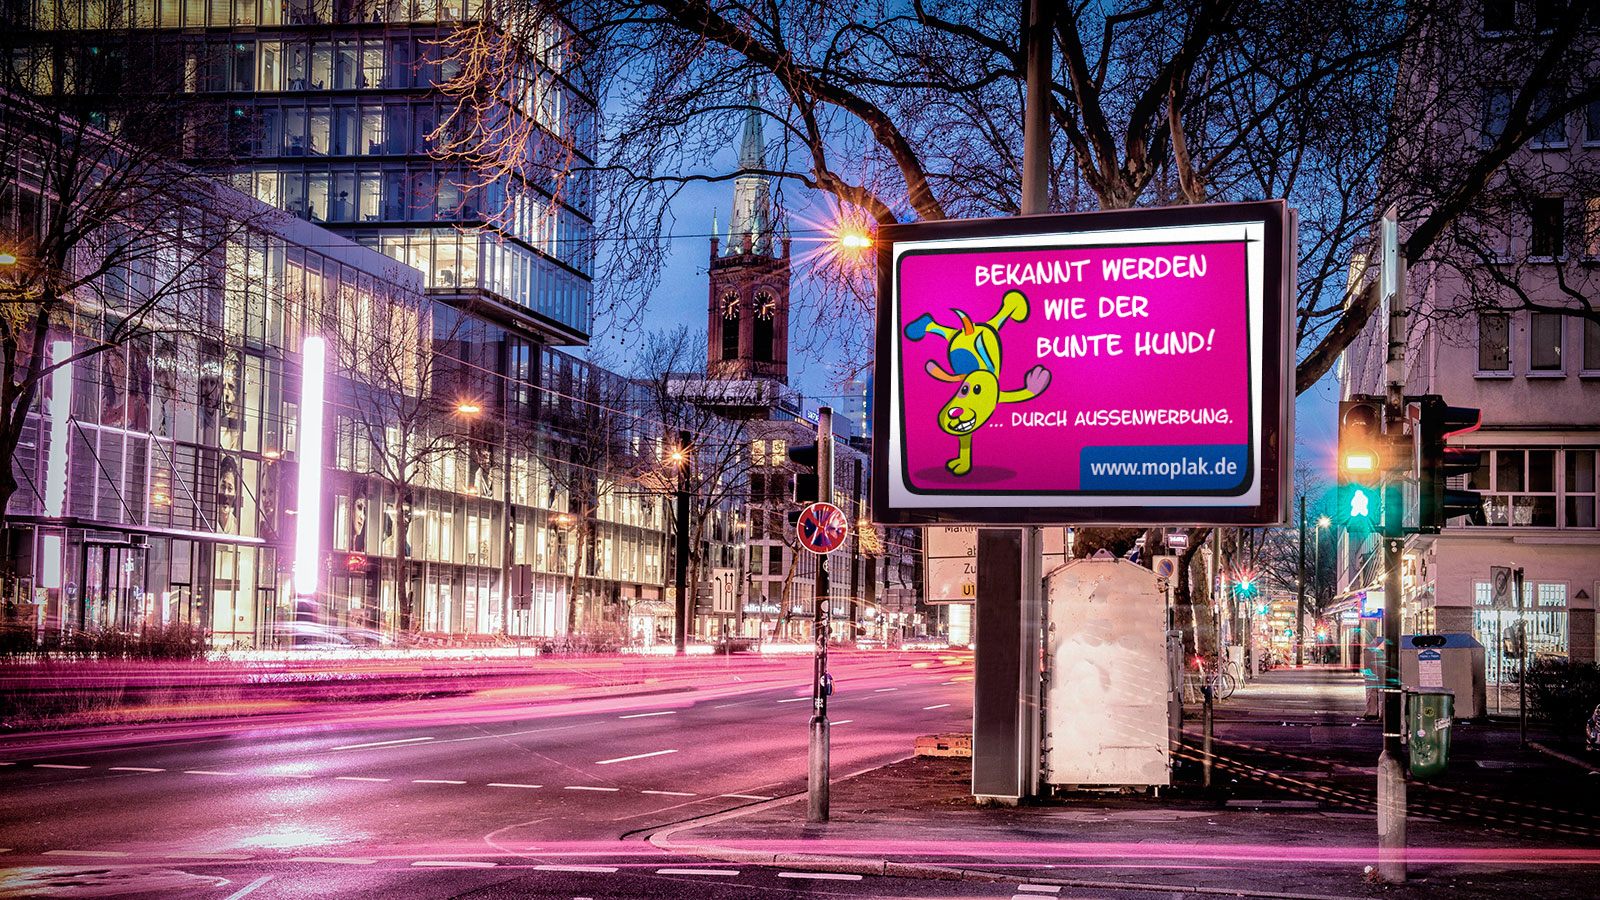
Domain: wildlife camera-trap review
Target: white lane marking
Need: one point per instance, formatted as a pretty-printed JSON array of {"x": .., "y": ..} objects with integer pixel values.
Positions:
[
  {"x": 84, "y": 853},
  {"x": 5, "y": 849},
  {"x": 607, "y": 762},
  {"x": 881, "y": 690},
  {"x": 723, "y": 706},
  {"x": 285, "y": 775},
  {"x": 356, "y": 778},
  {"x": 794, "y": 699},
  {"x": 7, "y": 763},
  {"x": 821, "y": 876},
  {"x": 744, "y": 796},
  {"x": 383, "y": 743},
  {"x": 134, "y": 769},
  {"x": 344, "y": 860},
  {"x": 1040, "y": 888},
  {"x": 579, "y": 787},
  {"x": 949, "y": 682},
  {"x": 206, "y": 772},
  {"x": 56, "y": 766},
  {"x": 512, "y": 785},
  {"x": 223, "y": 856},
  {"x": 575, "y": 868},
  {"x": 697, "y": 871},
  {"x": 671, "y": 793},
  {"x": 842, "y": 722},
  {"x": 454, "y": 863},
  {"x": 249, "y": 887},
  {"x": 665, "y": 712},
  {"x": 937, "y": 706},
  {"x": 435, "y": 781}
]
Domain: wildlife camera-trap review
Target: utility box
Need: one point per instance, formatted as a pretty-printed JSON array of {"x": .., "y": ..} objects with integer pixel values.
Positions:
[
  {"x": 1452, "y": 663},
  {"x": 1107, "y": 684}
]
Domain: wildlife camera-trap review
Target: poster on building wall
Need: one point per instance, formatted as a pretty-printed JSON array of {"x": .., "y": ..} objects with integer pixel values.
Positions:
[{"x": 1119, "y": 367}]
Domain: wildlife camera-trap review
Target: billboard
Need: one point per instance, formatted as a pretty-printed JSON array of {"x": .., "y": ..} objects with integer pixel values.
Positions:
[{"x": 1124, "y": 367}]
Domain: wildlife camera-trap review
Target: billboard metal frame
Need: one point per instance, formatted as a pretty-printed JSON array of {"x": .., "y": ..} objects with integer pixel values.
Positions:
[{"x": 1273, "y": 441}]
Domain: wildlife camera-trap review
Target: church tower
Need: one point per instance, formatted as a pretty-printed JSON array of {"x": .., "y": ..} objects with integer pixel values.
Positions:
[{"x": 747, "y": 333}]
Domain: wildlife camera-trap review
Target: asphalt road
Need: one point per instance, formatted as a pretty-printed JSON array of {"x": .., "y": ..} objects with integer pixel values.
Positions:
[{"x": 487, "y": 796}]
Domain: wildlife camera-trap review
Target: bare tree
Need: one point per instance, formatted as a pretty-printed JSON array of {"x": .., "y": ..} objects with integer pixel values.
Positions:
[
  {"x": 716, "y": 461},
  {"x": 598, "y": 447},
  {"x": 405, "y": 403},
  {"x": 900, "y": 113},
  {"x": 112, "y": 243}
]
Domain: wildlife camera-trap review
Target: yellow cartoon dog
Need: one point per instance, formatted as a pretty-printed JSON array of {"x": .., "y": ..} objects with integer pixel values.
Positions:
[{"x": 974, "y": 356}]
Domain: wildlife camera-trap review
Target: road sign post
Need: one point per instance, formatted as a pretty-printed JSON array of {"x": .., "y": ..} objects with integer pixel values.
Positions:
[{"x": 822, "y": 534}]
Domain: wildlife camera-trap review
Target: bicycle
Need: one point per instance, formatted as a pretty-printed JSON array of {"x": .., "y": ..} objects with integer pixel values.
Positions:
[{"x": 1221, "y": 682}]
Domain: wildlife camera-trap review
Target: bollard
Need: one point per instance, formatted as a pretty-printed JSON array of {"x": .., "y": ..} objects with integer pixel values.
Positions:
[
  {"x": 1205, "y": 740},
  {"x": 1391, "y": 819}
]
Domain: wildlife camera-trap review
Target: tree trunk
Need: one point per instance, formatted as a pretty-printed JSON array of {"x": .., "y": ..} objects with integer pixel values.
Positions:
[{"x": 1183, "y": 592}]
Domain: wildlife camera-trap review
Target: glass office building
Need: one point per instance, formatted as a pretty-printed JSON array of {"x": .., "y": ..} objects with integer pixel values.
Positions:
[{"x": 333, "y": 112}]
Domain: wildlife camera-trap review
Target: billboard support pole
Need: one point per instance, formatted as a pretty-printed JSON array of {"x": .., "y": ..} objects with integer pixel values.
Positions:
[{"x": 1007, "y": 668}]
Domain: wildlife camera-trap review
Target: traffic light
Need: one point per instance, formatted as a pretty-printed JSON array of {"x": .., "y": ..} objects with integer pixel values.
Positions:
[
  {"x": 1437, "y": 463},
  {"x": 1246, "y": 588},
  {"x": 1361, "y": 463},
  {"x": 805, "y": 481}
]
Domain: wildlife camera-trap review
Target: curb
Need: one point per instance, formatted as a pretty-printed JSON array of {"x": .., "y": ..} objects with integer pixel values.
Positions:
[
  {"x": 661, "y": 839},
  {"x": 1564, "y": 757}
]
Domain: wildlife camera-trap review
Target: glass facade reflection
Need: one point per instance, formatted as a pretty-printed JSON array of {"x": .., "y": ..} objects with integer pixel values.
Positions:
[{"x": 332, "y": 111}]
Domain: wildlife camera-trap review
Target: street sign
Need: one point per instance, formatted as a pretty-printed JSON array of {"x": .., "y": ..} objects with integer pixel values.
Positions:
[
  {"x": 950, "y": 570},
  {"x": 822, "y": 527},
  {"x": 724, "y": 591},
  {"x": 1500, "y": 585}
]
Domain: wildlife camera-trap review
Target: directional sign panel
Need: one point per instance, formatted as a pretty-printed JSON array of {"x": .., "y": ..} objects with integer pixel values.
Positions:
[{"x": 822, "y": 527}]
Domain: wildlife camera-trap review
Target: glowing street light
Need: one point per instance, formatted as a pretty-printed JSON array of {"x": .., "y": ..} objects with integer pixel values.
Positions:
[
  {"x": 468, "y": 408},
  {"x": 855, "y": 240},
  {"x": 8, "y": 259}
]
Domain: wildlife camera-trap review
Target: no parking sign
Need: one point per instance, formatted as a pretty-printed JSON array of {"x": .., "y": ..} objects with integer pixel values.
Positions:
[{"x": 822, "y": 527}]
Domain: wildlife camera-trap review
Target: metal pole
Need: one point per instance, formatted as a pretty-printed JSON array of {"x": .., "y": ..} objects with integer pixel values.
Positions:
[
  {"x": 681, "y": 563},
  {"x": 1522, "y": 646},
  {"x": 1300, "y": 596},
  {"x": 1391, "y": 774},
  {"x": 1036, "y": 114},
  {"x": 818, "y": 746},
  {"x": 855, "y": 550}
]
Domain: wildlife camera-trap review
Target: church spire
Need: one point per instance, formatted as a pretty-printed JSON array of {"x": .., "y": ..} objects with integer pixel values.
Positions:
[
  {"x": 753, "y": 147},
  {"x": 750, "y": 227}
]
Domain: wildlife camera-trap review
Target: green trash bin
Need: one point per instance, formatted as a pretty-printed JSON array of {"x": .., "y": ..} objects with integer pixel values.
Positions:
[{"x": 1428, "y": 727}]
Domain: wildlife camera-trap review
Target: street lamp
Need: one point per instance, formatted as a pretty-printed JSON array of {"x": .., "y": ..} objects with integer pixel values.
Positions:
[{"x": 8, "y": 259}]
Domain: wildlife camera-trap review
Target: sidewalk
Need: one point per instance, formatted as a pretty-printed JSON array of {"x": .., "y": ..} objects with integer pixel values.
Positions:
[{"x": 1291, "y": 815}]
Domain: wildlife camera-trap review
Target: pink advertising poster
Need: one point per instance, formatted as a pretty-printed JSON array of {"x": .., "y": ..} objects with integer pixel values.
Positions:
[{"x": 1108, "y": 368}]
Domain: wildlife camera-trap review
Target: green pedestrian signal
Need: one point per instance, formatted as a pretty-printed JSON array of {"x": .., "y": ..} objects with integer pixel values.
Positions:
[{"x": 1361, "y": 464}]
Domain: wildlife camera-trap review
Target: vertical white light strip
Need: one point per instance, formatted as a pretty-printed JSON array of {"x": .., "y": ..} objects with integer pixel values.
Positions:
[
  {"x": 308, "y": 527},
  {"x": 55, "y": 471}
]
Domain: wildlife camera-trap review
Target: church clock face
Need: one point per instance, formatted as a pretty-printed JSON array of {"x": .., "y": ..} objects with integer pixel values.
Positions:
[
  {"x": 730, "y": 305},
  {"x": 766, "y": 305}
]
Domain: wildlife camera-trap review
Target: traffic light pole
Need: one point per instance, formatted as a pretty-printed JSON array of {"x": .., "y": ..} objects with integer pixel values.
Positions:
[
  {"x": 1391, "y": 773},
  {"x": 817, "y": 749}
]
